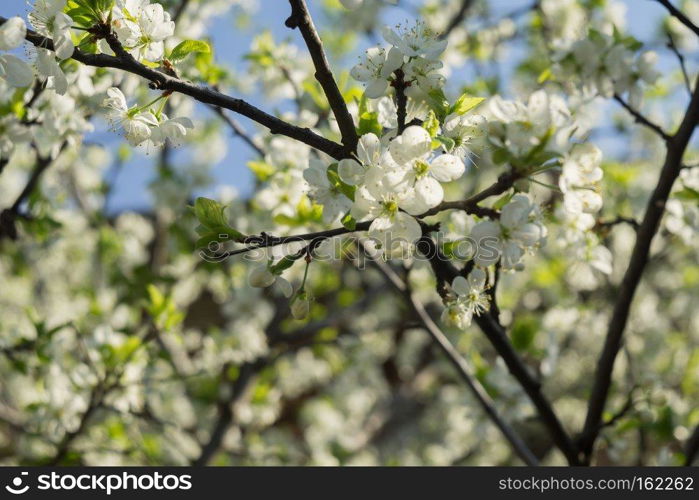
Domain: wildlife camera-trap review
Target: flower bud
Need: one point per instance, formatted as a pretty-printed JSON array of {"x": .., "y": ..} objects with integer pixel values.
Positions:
[
  {"x": 261, "y": 277},
  {"x": 300, "y": 306}
]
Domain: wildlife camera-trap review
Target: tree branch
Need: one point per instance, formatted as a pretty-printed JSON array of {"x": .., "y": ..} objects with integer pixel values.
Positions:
[
  {"x": 683, "y": 67},
  {"x": 639, "y": 118},
  {"x": 470, "y": 205},
  {"x": 160, "y": 81},
  {"x": 301, "y": 18},
  {"x": 675, "y": 12},
  {"x": 458, "y": 361},
  {"x": 237, "y": 130},
  {"x": 655, "y": 208},
  {"x": 445, "y": 273}
]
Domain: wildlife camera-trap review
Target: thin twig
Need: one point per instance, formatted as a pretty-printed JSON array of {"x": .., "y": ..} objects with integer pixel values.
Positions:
[
  {"x": 238, "y": 130},
  {"x": 673, "y": 47},
  {"x": 641, "y": 119},
  {"x": 674, "y": 11}
]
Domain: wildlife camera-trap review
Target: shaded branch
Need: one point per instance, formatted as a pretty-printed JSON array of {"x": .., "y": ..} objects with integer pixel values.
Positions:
[
  {"x": 655, "y": 208},
  {"x": 683, "y": 67},
  {"x": 445, "y": 272},
  {"x": 458, "y": 362},
  {"x": 470, "y": 205},
  {"x": 675, "y": 12},
  {"x": 238, "y": 130},
  {"x": 641, "y": 119}
]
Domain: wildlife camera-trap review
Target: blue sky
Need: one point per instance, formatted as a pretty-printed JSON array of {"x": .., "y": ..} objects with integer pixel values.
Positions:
[{"x": 231, "y": 43}]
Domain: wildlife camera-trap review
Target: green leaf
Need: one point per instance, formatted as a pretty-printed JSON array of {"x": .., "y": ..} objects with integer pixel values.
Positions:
[
  {"x": 187, "y": 47},
  {"x": 349, "y": 222},
  {"x": 447, "y": 142},
  {"x": 687, "y": 194},
  {"x": 209, "y": 213},
  {"x": 465, "y": 103},
  {"x": 339, "y": 184},
  {"x": 283, "y": 264},
  {"x": 262, "y": 170},
  {"x": 524, "y": 332},
  {"x": 544, "y": 75},
  {"x": 501, "y": 156},
  {"x": 214, "y": 226},
  {"x": 431, "y": 124},
  {"x": 439, "y": 103},
  {"x": 369, "y": 123},
  {"x": 502, "y": 201}
]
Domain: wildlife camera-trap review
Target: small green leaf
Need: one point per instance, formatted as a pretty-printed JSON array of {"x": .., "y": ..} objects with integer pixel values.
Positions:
[
  {"x": 687, "y": 194},
  {"x": 262, "y": 170},
  {"x": 209, "y": 213},
  {"x": 369, "y": 123},
  {"x": 524, "y": 332},
  {"x": 339, "y": 184},
  {"x": 447, "y": 142},
  {"x": 187, "y": 47},
  {"x": 349, "y": 222},
  {"x": 283, "y": 264},
  {"x": 439, "y": 103},
  {"x": 466, "y": 103},
  {"x": 502, "y": 201},
  {"x": 431, "y": 124},
  {"x": 545, "y": 75}
]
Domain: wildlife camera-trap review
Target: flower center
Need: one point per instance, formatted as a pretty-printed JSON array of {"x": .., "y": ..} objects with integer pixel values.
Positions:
[
  {"x": 390, "y": 207},
  {"x": 421, "y": 168}
]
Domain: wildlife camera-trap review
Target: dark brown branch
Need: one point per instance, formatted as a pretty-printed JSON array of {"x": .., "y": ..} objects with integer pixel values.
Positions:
[
  {"x": 301, "y": 18},
  {"x": 459, "y": 363},
  {"x": 470, "y": 205},
  {"x": 674, "y": 11},
  {"x": 632, "y": 277},
  {"x": 400, "y": 85},
  {"x": 619, "y": 219},
  {"x": 639, "y": 118},
  {"x": 445, "y": 272},
  {"x": 160, "y": 81}
]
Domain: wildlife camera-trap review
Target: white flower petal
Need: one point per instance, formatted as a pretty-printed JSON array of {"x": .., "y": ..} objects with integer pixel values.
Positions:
[{"x": 446, "y": 168}]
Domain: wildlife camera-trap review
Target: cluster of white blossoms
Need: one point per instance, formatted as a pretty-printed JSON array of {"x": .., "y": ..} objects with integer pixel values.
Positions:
[
  {"x": 469, "y": 297},
  {"x": 143, "y": 125},
  {"x": 48, "y": 18},
  {"x": 142, "y": 27},
  {"x": 607, "y": 65},
  {"x": 414, "y": 52},
  {"x": 519, "y": 229}
]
